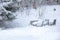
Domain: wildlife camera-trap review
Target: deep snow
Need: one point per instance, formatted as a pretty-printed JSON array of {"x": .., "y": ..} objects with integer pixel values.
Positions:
[{"x": 25, "y": 31}]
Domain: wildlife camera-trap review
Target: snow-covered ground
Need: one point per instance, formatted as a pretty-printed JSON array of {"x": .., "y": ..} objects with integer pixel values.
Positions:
[{"x": 25, "y": 31}]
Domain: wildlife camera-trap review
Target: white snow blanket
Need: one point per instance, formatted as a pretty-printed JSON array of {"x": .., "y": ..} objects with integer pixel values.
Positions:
[{"x": 25, "y": 31}]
